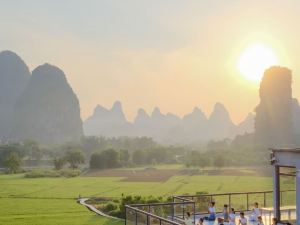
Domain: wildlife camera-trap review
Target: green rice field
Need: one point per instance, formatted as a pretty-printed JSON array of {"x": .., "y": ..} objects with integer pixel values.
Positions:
[{"x": 49, "y": 201}]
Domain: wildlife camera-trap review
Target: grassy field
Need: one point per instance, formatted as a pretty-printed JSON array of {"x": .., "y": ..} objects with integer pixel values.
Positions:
[{"x": 49, "y": 201}]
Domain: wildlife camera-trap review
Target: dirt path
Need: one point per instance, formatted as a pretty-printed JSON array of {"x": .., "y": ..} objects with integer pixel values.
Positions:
[{"x": 82, "y": 201}]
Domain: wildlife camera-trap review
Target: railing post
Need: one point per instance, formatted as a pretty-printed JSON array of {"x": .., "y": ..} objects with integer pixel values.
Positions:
[
  {"x": 229, "y": 200},
  {"x": 173, "y": 209},
  {"x": 136, "y": 217},
  {"x": 265, "y": 201},
  {"x": 276, "y": 191},
  {"x": 194, "y": 212},
  {"x": 125, "y": 215},
  {"x": 183, "y": 210},
  {"x": 281, "y": 198},
  {"x": 247, "y": 201}
]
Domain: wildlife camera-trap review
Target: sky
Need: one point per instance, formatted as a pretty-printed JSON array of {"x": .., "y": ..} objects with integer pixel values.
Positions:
[{"x": 173, "y": 54}]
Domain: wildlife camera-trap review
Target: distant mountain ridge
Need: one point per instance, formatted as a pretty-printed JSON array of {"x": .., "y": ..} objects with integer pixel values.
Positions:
[
  {"x": 40, "y": 106},
  {"x": 43, "y": 106},
  {"x": 14, "y": 77},
  {"x": 167, "y": 128}
]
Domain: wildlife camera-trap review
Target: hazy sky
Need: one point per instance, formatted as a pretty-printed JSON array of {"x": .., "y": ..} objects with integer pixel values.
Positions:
[{"x": 167, "y": 53}]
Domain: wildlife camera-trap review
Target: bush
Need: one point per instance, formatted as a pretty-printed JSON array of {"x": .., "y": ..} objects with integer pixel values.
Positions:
[
  {"x": 116, "y": 208},
  {"x": 116, "y": 213},
  {"x": 38, "y": 173},
  {"x": 69, "y": 172},
  {"x": 41, "y": 173},
  {"x": 110, "y": 206}
]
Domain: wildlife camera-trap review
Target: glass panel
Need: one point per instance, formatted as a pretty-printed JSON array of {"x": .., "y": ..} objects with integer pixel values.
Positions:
[
  {"x": 141, "y": 219},
  {"x": 130, "y": 217}
]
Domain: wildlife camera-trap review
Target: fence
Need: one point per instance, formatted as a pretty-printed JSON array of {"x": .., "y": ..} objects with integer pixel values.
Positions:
[
  {"x": 174, "y": 213},
  {"x": 159, "y": 213},
  {"x": 241, "y": 201}
]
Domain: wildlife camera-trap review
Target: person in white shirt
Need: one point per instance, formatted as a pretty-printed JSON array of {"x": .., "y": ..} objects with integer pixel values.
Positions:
[
  {"x": 242, "y": 220},
  {"x": 256, "y": 212},
  {"x": 232, "y": 217},
  {"x": 212, "y": 212}
]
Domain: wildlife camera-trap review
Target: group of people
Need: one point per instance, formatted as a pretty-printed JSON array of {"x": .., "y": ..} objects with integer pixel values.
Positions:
[{"x": 229, "y": 216}]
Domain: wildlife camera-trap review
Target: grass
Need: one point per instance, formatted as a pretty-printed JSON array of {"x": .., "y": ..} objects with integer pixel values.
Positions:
[
  {"x": 50, "y": 201},
  {"x": 47, "y": 212}
]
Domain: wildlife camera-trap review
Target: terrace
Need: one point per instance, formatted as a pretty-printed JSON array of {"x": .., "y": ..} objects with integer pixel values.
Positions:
[{"x": 281, "y": 204}]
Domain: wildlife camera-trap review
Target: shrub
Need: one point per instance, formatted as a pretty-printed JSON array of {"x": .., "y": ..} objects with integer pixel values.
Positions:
[
  {"x": 116, "y": 213},
  {"x": 37, "y": 173},
  {"x": 69, "y": 172},
  {"x": 41, "y": 173},
  {"x": 110, "y": 206}
]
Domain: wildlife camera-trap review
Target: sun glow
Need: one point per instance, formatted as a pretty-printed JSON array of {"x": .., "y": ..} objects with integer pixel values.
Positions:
[{"x": 255, "y": 59}]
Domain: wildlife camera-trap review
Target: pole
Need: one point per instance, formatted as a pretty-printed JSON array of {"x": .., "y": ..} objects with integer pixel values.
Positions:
[
  {"x": 298, "y": 195},
  {"x": 276, "y": 192}
]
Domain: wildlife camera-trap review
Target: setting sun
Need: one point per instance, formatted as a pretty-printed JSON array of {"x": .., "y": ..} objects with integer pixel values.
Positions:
[{"x": 255, "y": 59}]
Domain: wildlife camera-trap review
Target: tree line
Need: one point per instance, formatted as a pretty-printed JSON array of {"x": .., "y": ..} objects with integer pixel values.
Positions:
[{"x": 104, "y": 153}]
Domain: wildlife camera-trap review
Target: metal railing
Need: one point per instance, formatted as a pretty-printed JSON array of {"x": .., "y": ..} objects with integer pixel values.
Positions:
[
  {"x": 161, "y": 213},
  {"x": 135, "y": 216},
  {"x": 173, "y": 213},
  {"x": 240, "y": 201}
]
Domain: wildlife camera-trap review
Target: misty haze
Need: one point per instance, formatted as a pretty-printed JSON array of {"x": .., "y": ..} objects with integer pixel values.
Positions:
[{"x": 149, "y": 113}]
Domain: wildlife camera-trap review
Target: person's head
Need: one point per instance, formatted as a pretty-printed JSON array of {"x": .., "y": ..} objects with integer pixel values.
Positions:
[
  {"x": 232, "y": 210},
  {"x": 242, "y": 214},
  {"x": 259, "y": 218},
  {"x": 201, "y": 220},
  {"x": 256, "y": 204},
  {"x": 274, "y": 221},
  {"x": 225, "y": 206},
  {"x": 188, "y": 214},
  {"x": 212, "y": 204}
]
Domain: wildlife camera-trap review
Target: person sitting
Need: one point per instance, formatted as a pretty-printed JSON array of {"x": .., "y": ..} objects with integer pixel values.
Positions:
[
  {"x": 212, "y": 212},
  {"x": 243, "y": 219},
  {"x": 256, "y": 212},
  {"x": 232, "y": 217},
  {"x": 200, "y": 222},
  {"x": 274, "y": 221},
  {"x": 260, "y": 221},
  {"x": 225, "y": 215},
  {"x": 187, "y": 219}
]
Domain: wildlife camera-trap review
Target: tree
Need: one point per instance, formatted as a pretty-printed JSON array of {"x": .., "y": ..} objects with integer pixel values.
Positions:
[
  {"x": 139, "y": 157},
  {"x": 219, "y": 161},
  {"x": 124, "y": 157},
  {"x": 33, "y": 150},
  {"x": 203, "y": 161},
  {"x": 96, "y": 161},
  {"x": 197, "y": 159},
  {"x": 7, "y": 149},
  {"x": 112, "y": 158},
  {"x": 59, "y": 163},
  {"x": 13, "y": 163},
  {"x": 105, "y": 159},
  {"x": 74, "y": 158}
]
